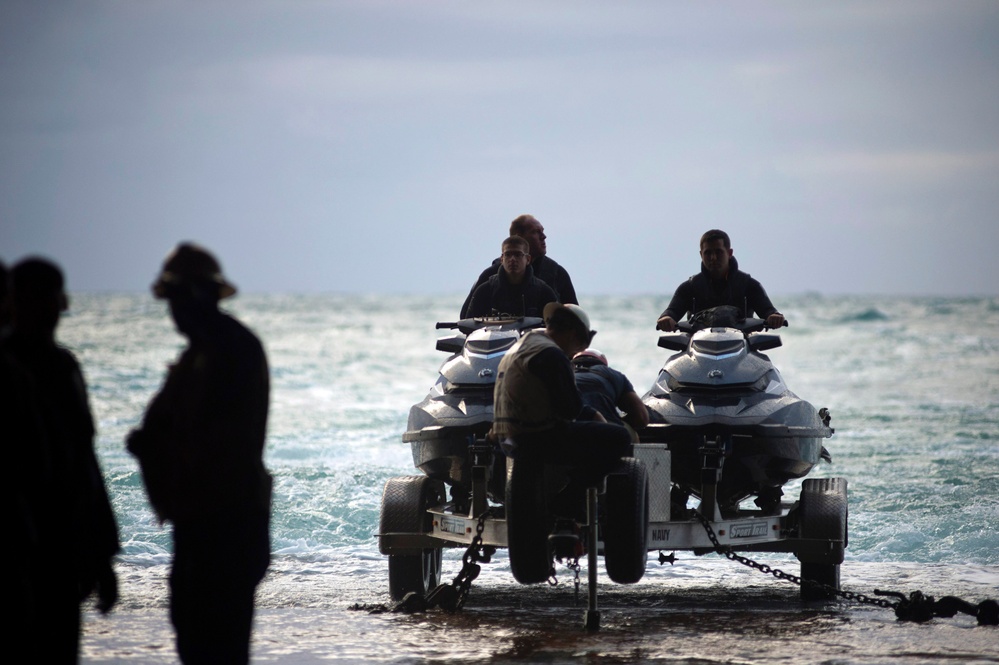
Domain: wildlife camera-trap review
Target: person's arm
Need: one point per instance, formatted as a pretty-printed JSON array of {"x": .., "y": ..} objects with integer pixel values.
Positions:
[
  {"x": 636, "y": 413},
  {"x": 678, "y": 306},
  {"x": 760, "y": 303}
]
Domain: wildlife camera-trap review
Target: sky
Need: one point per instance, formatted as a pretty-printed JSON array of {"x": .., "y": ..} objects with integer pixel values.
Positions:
[{"x": 384, "y": 146}]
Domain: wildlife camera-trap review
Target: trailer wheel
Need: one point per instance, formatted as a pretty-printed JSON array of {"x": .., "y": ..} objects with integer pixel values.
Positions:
[
  {"x": 625, "y": 527},
  {"x": 822, "y": 514},
  {"x": 527, "y": 523},
  {"x": 405, "y": 501}
]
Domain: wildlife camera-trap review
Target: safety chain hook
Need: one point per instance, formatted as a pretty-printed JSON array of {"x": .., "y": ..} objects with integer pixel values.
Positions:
[{"x": 451, "y": 597}]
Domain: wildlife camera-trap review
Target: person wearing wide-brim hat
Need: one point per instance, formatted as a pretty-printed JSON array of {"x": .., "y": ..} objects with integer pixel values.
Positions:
[
  {"x": 200, "y": 447},
  {"x": 190, "y": 267}
]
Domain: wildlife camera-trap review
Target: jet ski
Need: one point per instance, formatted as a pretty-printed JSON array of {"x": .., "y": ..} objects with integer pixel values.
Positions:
[
  {"x": 458, "y": 410},
  {"x": 724, "y": 428},
  {"x": 720, "y": 396}
]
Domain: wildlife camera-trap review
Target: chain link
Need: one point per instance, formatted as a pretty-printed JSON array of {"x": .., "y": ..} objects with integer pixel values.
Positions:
[
  {"x": 781, "y": 575},
  {"x": 470, "y": 567}
]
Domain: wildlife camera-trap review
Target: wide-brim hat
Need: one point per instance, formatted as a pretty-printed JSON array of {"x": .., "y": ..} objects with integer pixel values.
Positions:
[{"x": 187, "y": 265}]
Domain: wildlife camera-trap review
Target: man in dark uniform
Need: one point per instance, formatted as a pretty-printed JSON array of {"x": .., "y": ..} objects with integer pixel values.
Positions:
[
  {"x": 513, "y": 289},
  {"x": 200, "y": 447},
  {"x": 544, "y": 268},
  {"x": 720, "y": 282},
  {"x": 538, "y": 411},
  {"x": 608, "y": 391},
  {"x": 68, "y": 512}
]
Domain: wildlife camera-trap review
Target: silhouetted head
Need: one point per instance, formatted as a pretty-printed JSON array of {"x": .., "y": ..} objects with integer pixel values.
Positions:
[
  {"x": 515, "y": 256},
  {"x": 716, "y": 250},
  {"x": 191, "y": 282},
  {"x": 37, "y": 297},
  {"x": 530, "y": 229},
  {"x": 191, "y": 270},
  {"x": 568, "y": 326}
]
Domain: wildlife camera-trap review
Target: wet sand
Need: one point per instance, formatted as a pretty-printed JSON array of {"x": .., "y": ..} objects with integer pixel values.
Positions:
[{"x": 682, "y": 616}]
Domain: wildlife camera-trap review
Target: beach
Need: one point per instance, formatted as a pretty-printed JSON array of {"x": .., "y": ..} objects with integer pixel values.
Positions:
[{"x": 705, "y": 610}]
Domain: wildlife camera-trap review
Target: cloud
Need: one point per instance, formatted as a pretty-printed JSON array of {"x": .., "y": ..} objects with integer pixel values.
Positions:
[
  {"x": 323, "y": 139},
  {"x": 910, "y": 167}
]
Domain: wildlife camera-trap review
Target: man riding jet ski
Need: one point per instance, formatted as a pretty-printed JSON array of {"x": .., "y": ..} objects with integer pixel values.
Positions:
[{"x": 720, "y": 282}]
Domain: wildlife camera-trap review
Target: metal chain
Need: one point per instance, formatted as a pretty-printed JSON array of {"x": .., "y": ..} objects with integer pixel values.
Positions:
[
  {"x": 916, "y": 607},
  {"x": 781, "y": 575},
  {"x": 451, "y": 597},
  {"x": 470, "y": 567}
]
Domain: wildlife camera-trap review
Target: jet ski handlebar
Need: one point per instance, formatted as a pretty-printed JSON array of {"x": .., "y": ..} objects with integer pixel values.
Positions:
[
  {"x": 721, "y": 318},
  {"x": 465, "y": 326},
  {"x": 724, "y": 316},
  {"x": 746, "y": 326}
]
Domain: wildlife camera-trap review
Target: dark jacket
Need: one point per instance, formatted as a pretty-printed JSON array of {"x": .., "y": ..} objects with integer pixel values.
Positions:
[
  {"x": 498, "y": 296},
  {"x": 71, "y": 511},
  {"x": 201, "y": 442},
  {"x": 545, "y": 269},
  {"x": 737, "y": 289}
]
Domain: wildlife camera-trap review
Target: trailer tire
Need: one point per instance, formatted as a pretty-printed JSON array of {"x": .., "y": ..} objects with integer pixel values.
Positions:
[
  {"x": 405, "y": 501},
  {"x": 625, "y": 529},
  {"x": 823, "y": 513},
  {"x": 527, "y": 525}
]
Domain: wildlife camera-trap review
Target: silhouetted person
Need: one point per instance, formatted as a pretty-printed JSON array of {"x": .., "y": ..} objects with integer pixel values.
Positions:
[
  {"x": 543, "y": 267},
  {"x": 539, "y": 414},
  {"x": 720, "y": 282},
  {"x": 513, "y": 289},
  {"x": 201, "y": 447},
  {"x": 609, "y": 391},
  {"x": 49, "y": 423},
  {"x": 26, "y": 450}
]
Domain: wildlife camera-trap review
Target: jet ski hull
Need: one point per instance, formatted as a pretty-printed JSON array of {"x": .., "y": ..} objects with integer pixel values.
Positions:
[
  {"x": 722, "y": 388},
  {"x": 458, "y": 411}
]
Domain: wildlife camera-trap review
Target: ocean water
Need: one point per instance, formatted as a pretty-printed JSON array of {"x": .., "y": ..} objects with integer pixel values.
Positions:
[{"x": 912, "y": 384}]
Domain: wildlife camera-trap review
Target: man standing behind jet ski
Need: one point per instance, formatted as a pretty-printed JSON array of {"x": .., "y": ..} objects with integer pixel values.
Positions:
[
  {"x": 720, "y": 282},
  {"x": 539, "y": 414},
  {"x": 513, "y": 289},
  {"x": 545, "y": 268}
]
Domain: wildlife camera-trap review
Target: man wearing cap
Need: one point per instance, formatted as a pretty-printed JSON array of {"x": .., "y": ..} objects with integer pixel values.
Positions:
[
  {"x": 538, "y": 412},
  {"x": 200, "y": 447}
]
